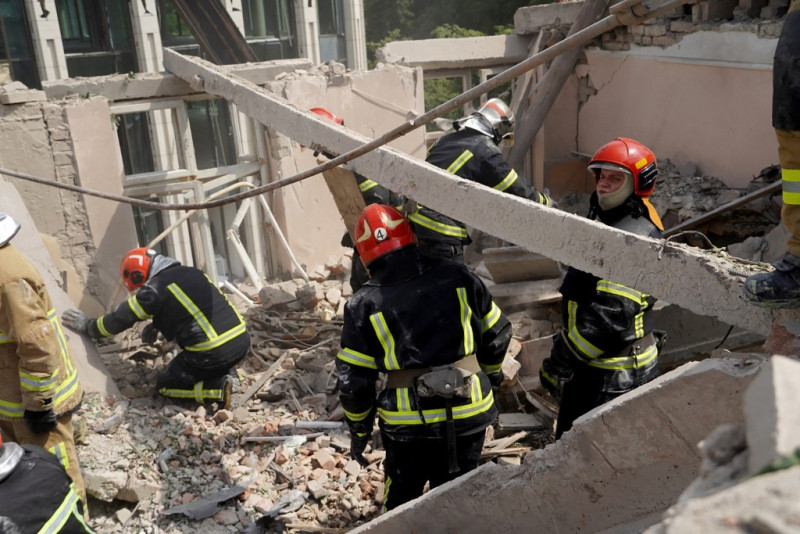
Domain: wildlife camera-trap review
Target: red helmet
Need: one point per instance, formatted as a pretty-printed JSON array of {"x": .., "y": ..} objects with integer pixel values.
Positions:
[
  {"x": 135, "y": 267},
  {"x": 381, "y": 229},
  {"x": 630, "y": 157},
  {"x": 322, "y": 112}
]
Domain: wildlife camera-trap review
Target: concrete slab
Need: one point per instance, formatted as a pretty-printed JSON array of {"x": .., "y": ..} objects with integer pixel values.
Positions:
[
  {"x": 624, "y": 462},
  {"x": 704, "y": 283},
  {"x": 516, "y": 264},
  {"x": 92, "y": 372},
  {"x": 773, "y": 420},
  {"x": 457, "y": 53},
  {"x": 531, "y": 19}
]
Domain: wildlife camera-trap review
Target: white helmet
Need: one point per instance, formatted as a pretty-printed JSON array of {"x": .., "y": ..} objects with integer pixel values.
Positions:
[
  {"x": 8, "y": 228},
  {"x": 499, "y": 116}
]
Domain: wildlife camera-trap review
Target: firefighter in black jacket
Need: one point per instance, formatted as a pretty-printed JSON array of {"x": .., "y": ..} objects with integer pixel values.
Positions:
[
  {"x": 36, "y": 494},
  {"x": 607, "y": 346},
  {"x": 185, "y": 306},
  {"x": 471, "y": 152},
  {"x": 432, "y": 327}
]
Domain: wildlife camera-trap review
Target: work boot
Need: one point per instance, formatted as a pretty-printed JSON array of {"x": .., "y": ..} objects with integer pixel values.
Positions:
[
  {"x": 227, "y": 393},
  {"x": 777, "y": 289}
]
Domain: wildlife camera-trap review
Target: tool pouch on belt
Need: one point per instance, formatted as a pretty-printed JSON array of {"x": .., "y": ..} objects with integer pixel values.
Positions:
[{"x": 446, "y": 381}]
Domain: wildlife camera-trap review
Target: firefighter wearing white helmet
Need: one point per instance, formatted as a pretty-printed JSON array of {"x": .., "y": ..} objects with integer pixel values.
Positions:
[
  {"x": 473, "y": 153},
  {"x": 39, "y": 386}
]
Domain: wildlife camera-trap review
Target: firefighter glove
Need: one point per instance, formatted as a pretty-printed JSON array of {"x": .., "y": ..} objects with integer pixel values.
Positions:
[
  {"x": 40, "y": 422},
  {"x": 76, "y": 320},
  {"x": 358, "y": 443},
  {"x": 496, "y": 379},
  {"x": 149, "y": 334}
]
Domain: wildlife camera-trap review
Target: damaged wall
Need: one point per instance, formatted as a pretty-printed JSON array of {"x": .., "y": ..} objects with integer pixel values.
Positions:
[
  {"x": 370, "y": 103},
  {"x": 705, "y": 100}
]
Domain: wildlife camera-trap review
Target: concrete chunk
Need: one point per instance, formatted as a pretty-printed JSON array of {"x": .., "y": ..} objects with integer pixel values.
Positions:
[{"x": 773, "y": 420}]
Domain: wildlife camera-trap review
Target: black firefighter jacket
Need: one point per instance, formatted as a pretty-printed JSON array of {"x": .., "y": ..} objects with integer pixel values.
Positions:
[
  {"x": 602, "y": 318},
  {"x": 472, "y": 156},
  {"x": 413, "y": 314},
  {"x": 186, "y": 307}
]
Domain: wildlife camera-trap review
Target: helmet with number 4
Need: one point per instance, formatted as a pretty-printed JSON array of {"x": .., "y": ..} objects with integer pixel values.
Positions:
[
  {"x": 135, "y": 267},
  {"x": 380, "y": 230},
  {"x": 632, "y": 158}
]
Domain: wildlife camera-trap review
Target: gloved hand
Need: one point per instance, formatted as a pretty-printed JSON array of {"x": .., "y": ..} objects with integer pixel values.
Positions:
[
  {"x": 40, "y": 422},
  {"x": 76, "y": 320},
  {"x": 551, "y": 382},
  {"x": 149, "y": 334},
  {"x": 358, "y": 443},
  {"x": 557, "y": 369},
  {"x": 496, "y": 379}
]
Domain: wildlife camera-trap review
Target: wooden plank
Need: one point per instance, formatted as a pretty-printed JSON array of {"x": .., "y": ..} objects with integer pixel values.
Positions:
[
  {"x": 258, "y": 384},
  {"x": 343, "y": 186}
]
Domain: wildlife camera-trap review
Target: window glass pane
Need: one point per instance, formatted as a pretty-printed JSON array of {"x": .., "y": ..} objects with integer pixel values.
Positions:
[
  {"x": 212, "y": 133},
  {"x": 174, "y": 30},
  {"x": 149, "y": 224},
  {"x": 326, "y": 11},
  {"x": 16, "y": 50},
  {"x": 133, "y": 132}
]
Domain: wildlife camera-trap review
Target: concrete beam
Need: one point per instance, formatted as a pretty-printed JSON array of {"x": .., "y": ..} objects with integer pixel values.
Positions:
[
  {"x": 623, "y": 463},
  {"x": 682, "y": 275},
  {"x": 461, "y": 53},
  {"x": 151, "y": 85},
  {"x": 532, "y": 19},
  {"x": 773, "y": 421}
]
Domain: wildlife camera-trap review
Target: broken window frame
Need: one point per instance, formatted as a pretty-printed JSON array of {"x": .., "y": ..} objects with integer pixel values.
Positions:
[
  {"x": 201, "y": 240},
  {"x": 332, "y": 44}
]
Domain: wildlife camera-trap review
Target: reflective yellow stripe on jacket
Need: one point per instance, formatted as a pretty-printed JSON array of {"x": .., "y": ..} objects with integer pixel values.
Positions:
[
  {"x": 436, "y": 226},
  {"x": 67, "y": 508},
  {"x": 30, "y": 382},
  {"x": 214, "y": 339},
  {"x": 606, "y": 286},
  {"x": 405, "y": 416}
]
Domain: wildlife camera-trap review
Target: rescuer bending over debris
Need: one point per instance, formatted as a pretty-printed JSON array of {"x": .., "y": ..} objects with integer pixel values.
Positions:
[
  {"x": 185, "y": 306},
  {"x": 471, "y": 152},
  {"x": 432, "y": 327},
  {"x": 39, "y": 385},
  {"x": 607, "y": 345}
]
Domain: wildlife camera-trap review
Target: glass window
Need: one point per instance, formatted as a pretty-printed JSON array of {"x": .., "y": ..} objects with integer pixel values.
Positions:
[
  {"x": 16, "y": 50},
  {"x": 149, "y": 224},
  {"x": 100, "y": 28},
  {"x": 269, "y": 28},
  {"x": 331, "y": 17},
  {"x": 133, "y": 132},
  {"x": 174, "y": 30},
  {"x": 212, "y": 133}
]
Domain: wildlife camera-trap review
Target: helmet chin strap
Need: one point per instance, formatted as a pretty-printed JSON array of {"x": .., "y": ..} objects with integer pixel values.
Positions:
[{"x": 610, "y": 201}]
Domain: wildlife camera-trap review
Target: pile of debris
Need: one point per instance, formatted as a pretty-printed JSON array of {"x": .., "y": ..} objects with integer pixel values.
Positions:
[{"x": 279, "y": 457}]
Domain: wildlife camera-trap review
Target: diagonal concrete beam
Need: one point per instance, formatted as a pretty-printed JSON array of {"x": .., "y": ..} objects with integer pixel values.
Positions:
[{"x": 682, "y": 275}]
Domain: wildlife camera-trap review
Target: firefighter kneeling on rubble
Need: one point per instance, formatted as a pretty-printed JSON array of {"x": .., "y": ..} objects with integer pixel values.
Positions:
[
  {"x": 36, "y": 493},
  {"x": 432, "y": 327},
  {"x": 186, "y": 307},
  {"x": 607, "y": 345}
]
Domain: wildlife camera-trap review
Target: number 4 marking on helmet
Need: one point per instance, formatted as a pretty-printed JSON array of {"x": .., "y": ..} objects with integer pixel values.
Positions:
[{"x": 380, "y": 234}]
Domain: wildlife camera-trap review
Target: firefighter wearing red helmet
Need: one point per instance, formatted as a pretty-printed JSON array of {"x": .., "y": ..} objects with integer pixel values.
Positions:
[
  {"x": 607, "y": 345},
  {"x": 186, "y": 307},
  {"x": 36, "y": 493},
  {"x": 425, "y": 323},
  {"x": 471, "y": 152},
  {"x": 780, "y": 288}
]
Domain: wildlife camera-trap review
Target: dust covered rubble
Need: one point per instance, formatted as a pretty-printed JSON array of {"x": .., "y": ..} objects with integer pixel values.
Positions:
[{"x": 281, "y": 450}]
